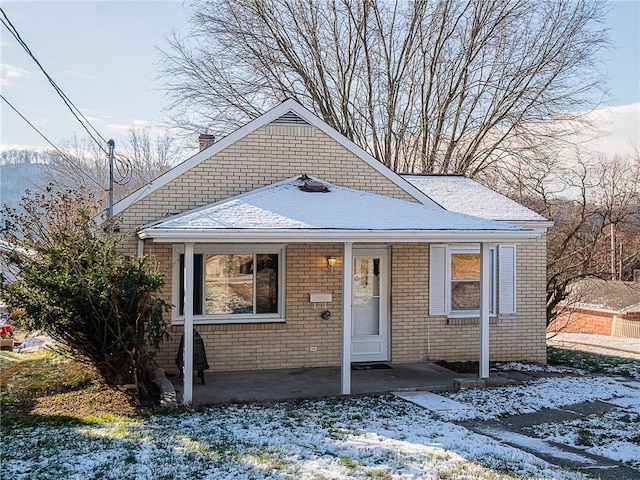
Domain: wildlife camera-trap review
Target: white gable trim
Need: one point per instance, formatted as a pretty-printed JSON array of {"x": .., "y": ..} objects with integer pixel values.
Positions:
[{"x": 273, "y": 114}]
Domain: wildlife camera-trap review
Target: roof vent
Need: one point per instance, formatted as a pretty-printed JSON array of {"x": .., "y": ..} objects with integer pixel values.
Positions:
[
  {"x": 310, "y": 185},
  {"x": 289, "y": 118}
]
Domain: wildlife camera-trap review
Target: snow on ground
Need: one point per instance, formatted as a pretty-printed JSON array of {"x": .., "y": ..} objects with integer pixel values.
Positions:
[
  {"x": 536, "y": 444},
  {"x": 531, "y": 367},
  {"x": 544, "y": 393},
  {"x": 343, "y": 438},
  {"x": 615, "y": 435},
  {"x": 366, "y": 437}
]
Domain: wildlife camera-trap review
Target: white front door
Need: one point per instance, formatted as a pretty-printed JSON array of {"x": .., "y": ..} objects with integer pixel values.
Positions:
[{"x": 370, "y": 305}]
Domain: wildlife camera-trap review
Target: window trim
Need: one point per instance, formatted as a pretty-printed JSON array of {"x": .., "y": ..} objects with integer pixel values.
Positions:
[
  {"x": 470, "y": 313},
  {"x": 222, "y": 249}
]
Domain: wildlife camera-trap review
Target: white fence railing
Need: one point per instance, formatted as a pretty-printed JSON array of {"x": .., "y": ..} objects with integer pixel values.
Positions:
[{"x": 625, "y": 328}]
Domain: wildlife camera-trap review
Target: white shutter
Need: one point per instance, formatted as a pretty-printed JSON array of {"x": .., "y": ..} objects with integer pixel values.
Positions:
[
  {"x": 438, "y": 280},
  {"x": 507, "y": 279}
]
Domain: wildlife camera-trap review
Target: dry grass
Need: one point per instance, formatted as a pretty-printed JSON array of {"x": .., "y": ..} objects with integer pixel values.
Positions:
[{"x": 45, "y": 383}]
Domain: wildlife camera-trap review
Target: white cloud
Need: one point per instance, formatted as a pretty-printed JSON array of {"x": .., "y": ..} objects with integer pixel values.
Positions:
[
  {"x": 618, "y": 130},
  {"x": 8, "y": 73}
]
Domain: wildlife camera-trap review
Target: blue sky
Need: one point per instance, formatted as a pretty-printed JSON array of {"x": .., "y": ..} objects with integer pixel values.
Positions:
[{"x": 104, "y": 56}]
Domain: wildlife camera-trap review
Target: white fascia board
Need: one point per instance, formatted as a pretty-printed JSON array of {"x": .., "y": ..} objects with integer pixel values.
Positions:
[
  {"x": 264, "y": 119},
  {"x": 325, "y": 236},
  {"x": 540, "y": 225}
]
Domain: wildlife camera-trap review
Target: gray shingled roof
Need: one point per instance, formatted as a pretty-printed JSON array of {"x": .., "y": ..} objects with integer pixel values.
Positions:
[
  {"x": 457, "y": 193},
  {"x": 597, "y": 294}
]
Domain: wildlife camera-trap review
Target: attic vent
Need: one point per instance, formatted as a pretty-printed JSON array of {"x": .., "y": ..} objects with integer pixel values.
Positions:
[{"x": 289, "y": 118}]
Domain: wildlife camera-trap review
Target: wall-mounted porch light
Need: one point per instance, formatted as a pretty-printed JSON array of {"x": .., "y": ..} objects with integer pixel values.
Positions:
[{"x": 331, "y": 263}]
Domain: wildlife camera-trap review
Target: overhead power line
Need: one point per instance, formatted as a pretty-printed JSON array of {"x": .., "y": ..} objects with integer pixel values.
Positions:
[
  {"x": 126, "y": 173},
  {"x": 62, "y": 154},
  {"x": 70, "y": 105}
]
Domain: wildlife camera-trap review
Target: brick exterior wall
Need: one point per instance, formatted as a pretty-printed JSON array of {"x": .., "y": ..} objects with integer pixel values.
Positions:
[
  {"x": 417, "y": 337},
  {"x": 274, "y": 153},
  {"x": 414, "y": 336},
  {"x": 583, "y": 321}
]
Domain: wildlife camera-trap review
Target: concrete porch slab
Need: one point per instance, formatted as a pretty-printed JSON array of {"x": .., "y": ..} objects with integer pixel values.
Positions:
[{"x": 285, "y": 384}]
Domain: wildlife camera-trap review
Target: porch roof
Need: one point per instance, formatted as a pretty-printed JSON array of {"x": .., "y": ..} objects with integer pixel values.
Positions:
[{"x": 284, "y": 212}]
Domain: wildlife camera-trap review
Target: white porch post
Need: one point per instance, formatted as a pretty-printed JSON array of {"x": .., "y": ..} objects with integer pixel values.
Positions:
[
  {"x": 347, "y": 273},
  {"x": 188, "y": 323},
  {"x": 485, "y": 307}
]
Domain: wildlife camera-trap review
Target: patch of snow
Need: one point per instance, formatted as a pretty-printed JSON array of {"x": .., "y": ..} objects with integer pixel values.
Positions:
[
  {"x": 464, "y": 195},
  {"x": 625, "y": 452},
  {"x": 536, "y": 444},
  {"x": 531, "y": 367},
  {"x": 541, "y": 394},
  {"x": 613, "y": 434},
  {"x": 432, "y": 401}
]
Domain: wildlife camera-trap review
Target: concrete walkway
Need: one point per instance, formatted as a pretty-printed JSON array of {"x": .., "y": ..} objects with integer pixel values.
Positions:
[
  {"x": 517, "y": 431},
  {"x": 285, "y": 384}
]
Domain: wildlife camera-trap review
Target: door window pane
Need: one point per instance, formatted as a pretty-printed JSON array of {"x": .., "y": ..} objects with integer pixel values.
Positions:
[
  {"x": 366, "y": 296},
  {"x": 229, "y": 284},
  {"x": 366, "y": 316}
]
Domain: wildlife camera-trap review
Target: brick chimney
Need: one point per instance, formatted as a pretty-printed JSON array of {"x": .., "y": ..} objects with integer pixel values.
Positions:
[{"x": 205, "y": 141}]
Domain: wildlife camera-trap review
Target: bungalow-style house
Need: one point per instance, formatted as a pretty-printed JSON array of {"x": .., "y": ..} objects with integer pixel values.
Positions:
[
  {"x": 600, "y": 307},
  {"x": 286, "y": 245}
]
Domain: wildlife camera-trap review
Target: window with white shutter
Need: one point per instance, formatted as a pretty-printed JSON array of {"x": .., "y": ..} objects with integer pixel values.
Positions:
[{"x": 454, "y": 280}]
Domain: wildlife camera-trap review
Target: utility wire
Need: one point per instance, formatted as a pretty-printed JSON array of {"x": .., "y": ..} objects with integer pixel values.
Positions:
[
  {"x": 127, "y": 174},
  {"x": 128, "y": 168},
  {"x": 62, "y": 154},
  {"x": 74, "y": 110}
]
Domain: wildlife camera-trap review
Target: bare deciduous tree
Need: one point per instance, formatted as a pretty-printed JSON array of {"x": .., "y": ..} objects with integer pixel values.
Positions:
[
  {"x": 587, "y": 199},
  {"x": 425, "y": 86},
  {"x": 140, "y": 158}
]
